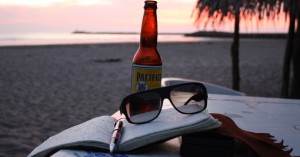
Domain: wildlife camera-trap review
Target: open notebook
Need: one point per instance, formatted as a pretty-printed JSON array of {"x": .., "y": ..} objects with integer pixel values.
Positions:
[{"x": 97, "y": 132}]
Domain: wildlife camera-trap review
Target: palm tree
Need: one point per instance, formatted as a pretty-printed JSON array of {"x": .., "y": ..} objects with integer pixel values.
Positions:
[
  {"x": 295, "y": 86},
  {"x": 220, "y": 9},
  {"x": 292, "y": 52}
]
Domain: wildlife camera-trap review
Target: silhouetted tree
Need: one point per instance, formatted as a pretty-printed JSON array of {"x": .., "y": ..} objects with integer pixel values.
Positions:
[
  {"x": 292, "y": 52},
  {"x": 221, "y": 9}
]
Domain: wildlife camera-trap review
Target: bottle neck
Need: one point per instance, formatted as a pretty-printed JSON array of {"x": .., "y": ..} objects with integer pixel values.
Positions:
[{"x": 148, "y": 37}]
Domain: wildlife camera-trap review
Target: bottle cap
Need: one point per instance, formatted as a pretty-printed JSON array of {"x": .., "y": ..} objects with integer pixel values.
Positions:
[{"x": 150, "y": 4}]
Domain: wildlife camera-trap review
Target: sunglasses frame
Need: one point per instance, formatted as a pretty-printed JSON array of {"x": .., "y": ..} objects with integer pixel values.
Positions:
[{"x": 163, "y": 92}]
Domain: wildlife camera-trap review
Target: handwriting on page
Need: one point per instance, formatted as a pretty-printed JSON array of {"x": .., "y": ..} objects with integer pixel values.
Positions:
[
  {"x": 97, "y": 129},
  {"x": 89, "y": 130},
  {"x": 84, "y": 153},
  {"x": 99, "y": 154}
]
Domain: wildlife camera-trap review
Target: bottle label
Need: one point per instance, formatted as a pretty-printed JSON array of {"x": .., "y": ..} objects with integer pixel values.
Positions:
[{"x": 145, "y": 77}]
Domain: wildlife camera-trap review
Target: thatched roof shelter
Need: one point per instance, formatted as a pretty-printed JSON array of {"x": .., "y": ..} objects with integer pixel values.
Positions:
[{"x": 217, "y": 11}]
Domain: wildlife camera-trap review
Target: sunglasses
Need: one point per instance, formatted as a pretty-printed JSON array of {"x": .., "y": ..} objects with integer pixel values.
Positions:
[{"x": 145, "y": 106}]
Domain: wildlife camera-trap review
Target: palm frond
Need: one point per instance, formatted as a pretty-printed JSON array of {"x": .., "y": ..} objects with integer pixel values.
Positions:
[{"x": 221, "y": 9}]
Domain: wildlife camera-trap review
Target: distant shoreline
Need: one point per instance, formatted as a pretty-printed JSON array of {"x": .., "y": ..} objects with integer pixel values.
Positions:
[
  {"x": 242, "y": 35},
  {"x": 84, "y": 37},
  {"x": 125, "y": 33},
  {"x": 203, "y": 34}
]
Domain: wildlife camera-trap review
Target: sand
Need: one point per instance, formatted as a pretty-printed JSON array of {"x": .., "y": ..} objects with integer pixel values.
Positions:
[{"x": 46, "y": 89}]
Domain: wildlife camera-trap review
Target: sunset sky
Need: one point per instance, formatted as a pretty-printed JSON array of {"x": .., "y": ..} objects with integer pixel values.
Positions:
[{"x": 99, "y": 15}]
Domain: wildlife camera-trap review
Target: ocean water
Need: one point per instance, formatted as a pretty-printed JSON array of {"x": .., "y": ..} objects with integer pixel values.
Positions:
[{"x": 70, "y": 38}]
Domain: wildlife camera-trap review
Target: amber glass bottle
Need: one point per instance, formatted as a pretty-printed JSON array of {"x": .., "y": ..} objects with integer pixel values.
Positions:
[{"x": 147, "y": 63}]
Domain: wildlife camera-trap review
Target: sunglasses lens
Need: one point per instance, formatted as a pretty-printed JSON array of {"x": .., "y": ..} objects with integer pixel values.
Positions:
[
  {"x": 188, "y": 98},
  {"x": 143, "y": 107}
]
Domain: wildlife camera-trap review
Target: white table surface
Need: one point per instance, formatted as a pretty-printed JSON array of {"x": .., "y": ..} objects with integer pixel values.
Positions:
[{"x": 279, "y": 117}]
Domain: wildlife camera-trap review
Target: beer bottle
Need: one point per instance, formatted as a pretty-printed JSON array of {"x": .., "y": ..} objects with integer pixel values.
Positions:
[{"x": 147, "y": 63}]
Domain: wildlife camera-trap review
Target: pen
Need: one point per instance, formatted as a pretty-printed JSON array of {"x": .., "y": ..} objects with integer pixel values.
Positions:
[{"x": 116, "y": 135}]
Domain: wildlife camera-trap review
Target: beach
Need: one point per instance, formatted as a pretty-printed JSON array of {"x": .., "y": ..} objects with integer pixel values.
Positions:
[{"x": 46, "y": 89}]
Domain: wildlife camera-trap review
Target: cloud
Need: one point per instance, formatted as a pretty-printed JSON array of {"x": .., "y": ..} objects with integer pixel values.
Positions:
[
  {"x": 107, "y": 15},
  {"x": 46, "y": 3}
]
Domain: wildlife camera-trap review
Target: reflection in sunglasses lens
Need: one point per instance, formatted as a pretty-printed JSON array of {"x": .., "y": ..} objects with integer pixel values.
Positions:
[
  {"x": 143, "y": 107},
  {"x": 188, "y": 98}
]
